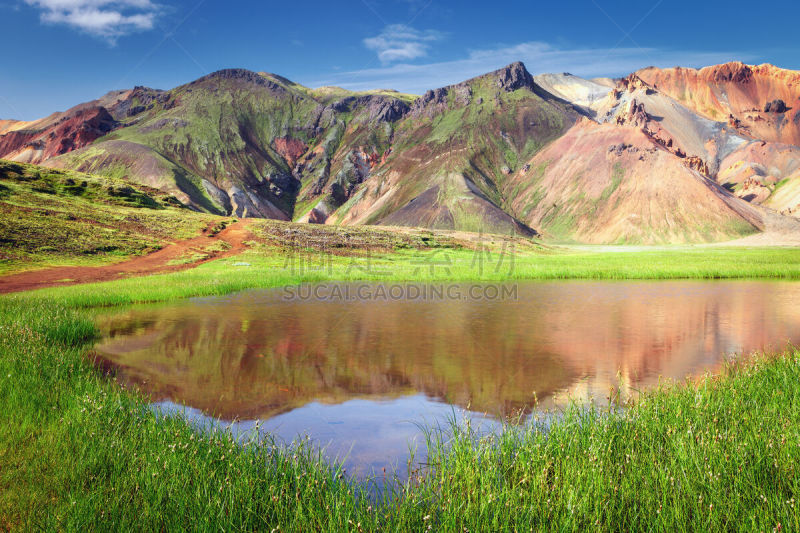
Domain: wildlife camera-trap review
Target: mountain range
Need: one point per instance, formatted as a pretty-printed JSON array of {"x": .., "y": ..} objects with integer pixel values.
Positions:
[{"x": 659, "y": 156}]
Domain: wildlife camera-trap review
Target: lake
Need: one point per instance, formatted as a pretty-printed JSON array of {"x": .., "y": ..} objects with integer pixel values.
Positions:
[{"x": 359, "y": 368}]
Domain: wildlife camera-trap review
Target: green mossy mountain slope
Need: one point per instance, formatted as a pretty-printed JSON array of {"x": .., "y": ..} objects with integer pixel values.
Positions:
[{"x": 256, "y": 144}]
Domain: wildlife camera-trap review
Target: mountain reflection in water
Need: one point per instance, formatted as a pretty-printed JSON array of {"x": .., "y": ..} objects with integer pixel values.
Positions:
[{"x": 256, "y": 356}]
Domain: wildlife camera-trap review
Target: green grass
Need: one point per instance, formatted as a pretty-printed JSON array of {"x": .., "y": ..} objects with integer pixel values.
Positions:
[
  {"x": 78, "y": 452},
  {"x": 328, "y": 94},
  {"x": 447, "y": 125},
  {"x": 271, "y": 267},
  {"x": 616, "y": 178},
  {"x": 719, "y": 454}
]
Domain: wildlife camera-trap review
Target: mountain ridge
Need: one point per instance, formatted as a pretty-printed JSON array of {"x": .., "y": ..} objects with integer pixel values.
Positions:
[{"x": 257, "y": 144}]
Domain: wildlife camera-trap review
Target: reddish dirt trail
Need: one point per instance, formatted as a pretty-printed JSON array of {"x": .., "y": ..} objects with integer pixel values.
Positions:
[{"x": 157, "y": 262}]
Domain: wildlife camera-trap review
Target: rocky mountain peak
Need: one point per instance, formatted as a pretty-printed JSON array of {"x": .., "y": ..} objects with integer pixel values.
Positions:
[
  {"x": 633, "y": 82},
  {"x": 512, "y": 77},
  {"x": 241, "y": 75},
  {"x": 735, "y": 72},
  {"x": 507, "y": 79}
]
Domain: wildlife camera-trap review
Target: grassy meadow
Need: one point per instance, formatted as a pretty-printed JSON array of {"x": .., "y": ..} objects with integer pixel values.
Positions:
[{"x": 266, "y": 267}]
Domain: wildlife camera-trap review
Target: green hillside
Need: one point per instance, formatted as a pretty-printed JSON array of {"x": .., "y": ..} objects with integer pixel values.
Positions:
[{"x": 51, "y": 217}]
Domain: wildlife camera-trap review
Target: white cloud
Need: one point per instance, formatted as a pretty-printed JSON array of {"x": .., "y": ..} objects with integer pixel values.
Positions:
[
  {"x": 109, "y": 19},
  {"x": 398, "y": 42},
  {"x": 538, "y": 57}
]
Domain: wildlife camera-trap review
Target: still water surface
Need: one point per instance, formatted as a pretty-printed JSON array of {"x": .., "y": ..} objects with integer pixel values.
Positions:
[{"x": 360, "y": 376}]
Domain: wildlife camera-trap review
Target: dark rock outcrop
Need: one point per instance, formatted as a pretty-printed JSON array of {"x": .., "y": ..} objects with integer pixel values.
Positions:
[
  {"x": 776, "y": 106},
  {"x": 431, "y": 103},
  {"x": 174, "y": 123},
  {"x": 514, "y": 76},
  {"x": 139, "y": 100},
  {"x": 281, "y": 185},
  {"x": 733, "y": 72},
  {"x": 619, "y": 149},
  {"x": 734, "y": 122},
  {"x": 242, "y": 75},
  {"x": 379, "y": 108}
]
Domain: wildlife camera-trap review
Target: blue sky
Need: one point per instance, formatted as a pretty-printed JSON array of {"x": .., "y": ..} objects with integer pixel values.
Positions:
[{"x": 62, "y": 52}]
